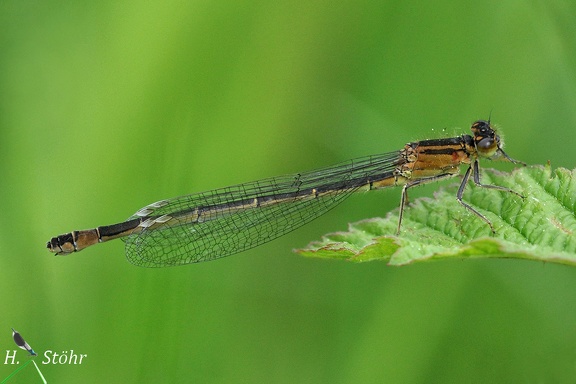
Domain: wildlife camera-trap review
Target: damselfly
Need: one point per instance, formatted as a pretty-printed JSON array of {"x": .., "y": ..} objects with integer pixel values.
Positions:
[{"x": 218, "y": 223}]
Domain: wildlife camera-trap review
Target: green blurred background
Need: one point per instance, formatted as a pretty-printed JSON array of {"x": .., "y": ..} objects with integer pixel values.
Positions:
[{"x": 108, "y": 106}]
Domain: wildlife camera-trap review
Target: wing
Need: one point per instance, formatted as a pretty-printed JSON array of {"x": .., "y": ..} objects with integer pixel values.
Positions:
[{"x": 218, "y": 223}]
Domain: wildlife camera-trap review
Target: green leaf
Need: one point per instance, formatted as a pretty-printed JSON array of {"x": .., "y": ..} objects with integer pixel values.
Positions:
[{"x": 540, "y": 226}]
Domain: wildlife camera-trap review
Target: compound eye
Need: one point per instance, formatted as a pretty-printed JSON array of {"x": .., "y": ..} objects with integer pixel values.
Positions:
[{"x": 486, "y": 143}]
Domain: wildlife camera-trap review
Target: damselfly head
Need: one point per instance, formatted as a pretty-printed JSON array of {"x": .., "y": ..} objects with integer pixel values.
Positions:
[
  {"x": 488, "y": 144},
  {"x": 486, "y": 140}
]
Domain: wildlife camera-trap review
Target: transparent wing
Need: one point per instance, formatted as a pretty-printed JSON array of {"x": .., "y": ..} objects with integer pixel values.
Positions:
[{"x": 218, "y": 223}]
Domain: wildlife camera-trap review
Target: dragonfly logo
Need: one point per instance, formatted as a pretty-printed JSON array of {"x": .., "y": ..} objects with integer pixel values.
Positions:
[{"x": 49, "y": 357}]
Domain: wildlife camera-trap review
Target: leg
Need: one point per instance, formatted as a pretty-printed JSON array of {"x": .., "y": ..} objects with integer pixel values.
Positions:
[
  {"x": 477, "y": 182},
  {"x": 404, "y": 196},
  {"x": 461, "y": 191}
]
